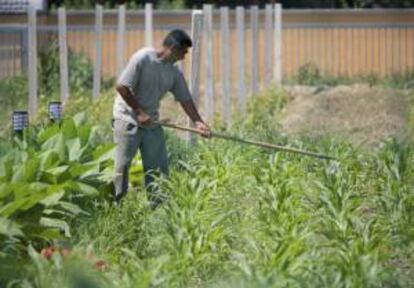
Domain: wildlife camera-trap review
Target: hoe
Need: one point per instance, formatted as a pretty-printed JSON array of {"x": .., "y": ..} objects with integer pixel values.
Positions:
[{"x": 165, "y": 123}]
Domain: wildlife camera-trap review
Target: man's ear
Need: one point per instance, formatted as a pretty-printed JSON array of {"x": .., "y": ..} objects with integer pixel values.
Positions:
[{"x": 172, "y": 47}]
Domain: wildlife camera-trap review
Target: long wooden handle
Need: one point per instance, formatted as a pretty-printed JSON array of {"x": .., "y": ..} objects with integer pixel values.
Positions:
[{"x": 256, "y": 143}]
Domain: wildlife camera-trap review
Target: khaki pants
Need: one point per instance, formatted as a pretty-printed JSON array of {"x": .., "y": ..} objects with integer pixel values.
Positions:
[{"x": 151, "y": 143}]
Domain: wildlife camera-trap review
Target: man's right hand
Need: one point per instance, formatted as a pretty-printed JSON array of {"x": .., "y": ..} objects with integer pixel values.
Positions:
[{"x": 143, "y": 118}]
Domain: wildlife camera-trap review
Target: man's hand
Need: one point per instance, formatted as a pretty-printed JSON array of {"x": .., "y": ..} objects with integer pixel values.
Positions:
[
  {"x": 143, "y": 118},
  {"x": 205, "y": 131}
]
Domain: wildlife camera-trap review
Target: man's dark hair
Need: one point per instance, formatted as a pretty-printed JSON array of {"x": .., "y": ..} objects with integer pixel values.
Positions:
[{"x": 177, "y": 37}]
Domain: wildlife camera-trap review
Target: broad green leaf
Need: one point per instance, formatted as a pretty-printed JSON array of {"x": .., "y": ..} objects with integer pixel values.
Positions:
[
  {"x": 17, "y": 208},
  {"x": 10, "y": 228},
  {"x": 58, "y": 170},
  {"x": 5, "y": 190},
  {"x": 79, "y": 119},
  {"x": 72, "y": 208},
  {"x": 20, "y": 144},
  {"x": 48, "y": 159},
  {"x": 61, "y": 149},
  {"x": 49, "y": 234},
  {"x": 107, "y": 175},
  {"x": 69, "y": 129},
  {"x": 50, "y": 143},
  {"x": 6, "y": 166},
  {"x": 23, "y": 156},
  {"x": 53, "y": 199},
  {"x": 94, "y": 136},
  {"x": 48, "y": 132},
  {"x": 32, "y": 201},
  {"x": 65, "y": 209},
  {"x": 48, "y": 178},
  {"x": 84, "y": 134},
  {"x": 61, "y": 173},
  {"x": 88, "y": 189},
  {"x": 10, "y": 208},
  {"x": 24, "y": 189},
  {"x": 77, "y": 170},
  {"x": 75, "y": 149},
  {"x": 56, "y": 223},
  {"x": 104, "y": 152},
  {"x": 57, "y": 213},
  {"x": 32, "y": 169},
  {"x": 19, "y": 173},
  {"x": 57, "y": 144},
  {"x": 30, "y": 220},
  {"x": 82, "y": 187},
  {"x": 28, "y": 195}
]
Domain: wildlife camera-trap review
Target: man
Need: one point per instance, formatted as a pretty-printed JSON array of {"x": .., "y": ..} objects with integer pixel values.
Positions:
[{"x": 148, "y": 76}]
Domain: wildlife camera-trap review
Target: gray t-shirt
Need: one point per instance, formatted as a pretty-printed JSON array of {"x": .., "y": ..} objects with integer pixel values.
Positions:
[{"x": 149, "y": 79}]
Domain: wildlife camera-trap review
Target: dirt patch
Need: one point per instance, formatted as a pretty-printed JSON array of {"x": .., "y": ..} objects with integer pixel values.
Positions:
[{"x": 359, "y": 112}]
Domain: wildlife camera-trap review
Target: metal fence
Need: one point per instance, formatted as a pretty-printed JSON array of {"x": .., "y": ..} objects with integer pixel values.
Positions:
[
  {"x": 334, "y": 48},
  {"x": 243, "y": 52},
  {"x": 13, "y": 50}
]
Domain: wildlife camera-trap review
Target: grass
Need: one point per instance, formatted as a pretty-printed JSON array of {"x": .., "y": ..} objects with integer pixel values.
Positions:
[
  {"x": 310, "y": 74},
  {"x": 238, "y": 216},
  {"x": 262, "y": 220}
]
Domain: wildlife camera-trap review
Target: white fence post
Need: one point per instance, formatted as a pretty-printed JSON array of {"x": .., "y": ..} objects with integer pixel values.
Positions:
[
  {"x": 196, "y": 36},
  {"x": 148, "y": 24},
  {"x": 278, "y": 45},
  {"x": 98, "y": 51},
  {"x": 241, "y": 95},
  {"x": 208, "y": 42},
  {"x": 33, "y": 82},
  {"x": 254, "y": 12},
  {"x": 268, "y": 43},
  {"x": 225, "y": 64},
  {"x": 120, "y": 39},
  {"x": 63, "y": 57}
]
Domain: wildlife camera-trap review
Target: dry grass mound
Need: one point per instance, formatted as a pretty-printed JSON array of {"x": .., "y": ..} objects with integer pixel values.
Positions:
[{"x": 361, "y": 113}]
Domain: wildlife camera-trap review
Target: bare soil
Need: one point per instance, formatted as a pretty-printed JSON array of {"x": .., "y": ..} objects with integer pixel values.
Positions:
[{"x": 363, "y": 114}]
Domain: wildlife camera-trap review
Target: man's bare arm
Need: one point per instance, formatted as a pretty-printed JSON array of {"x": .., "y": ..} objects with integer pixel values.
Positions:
[
  {"x": 192, "y": 112},
  {"x": 126, "y": 94}
]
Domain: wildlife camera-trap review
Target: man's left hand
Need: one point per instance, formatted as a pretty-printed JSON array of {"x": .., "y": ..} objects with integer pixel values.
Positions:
[{"x": 205, "y": 131}]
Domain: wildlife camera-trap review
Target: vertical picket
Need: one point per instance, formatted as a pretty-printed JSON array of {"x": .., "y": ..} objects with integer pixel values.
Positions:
[
  {"x": 278, "y": 44},
  {"x": 254, "y": 14},
  {"x": 63, "y": 56},
  {"x": 241, "y": 91},
  {"x": 208, "y": 43},
  {"x": 196, "y": 36},
  {"x": 268, "y": 44},
  {"x": 120, "y": 44},
  {"x": 32, "y": 55},
  {"x": 225, "y": 64},
  {"x": 148, "y": 24},
  {"x": 98, "y": 51}
]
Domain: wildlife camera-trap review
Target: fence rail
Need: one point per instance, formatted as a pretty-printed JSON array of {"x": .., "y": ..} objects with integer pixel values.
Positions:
[
  {"x": 338, "y": 43},
  {"x": 303, "y": 42}
]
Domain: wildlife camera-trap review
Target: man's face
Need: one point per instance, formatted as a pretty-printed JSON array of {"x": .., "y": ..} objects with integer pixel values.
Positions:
[{"x": 178, "y": 53}]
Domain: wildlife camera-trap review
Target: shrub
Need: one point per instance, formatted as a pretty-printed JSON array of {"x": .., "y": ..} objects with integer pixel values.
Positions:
[{"x": 80, "y": 71}]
